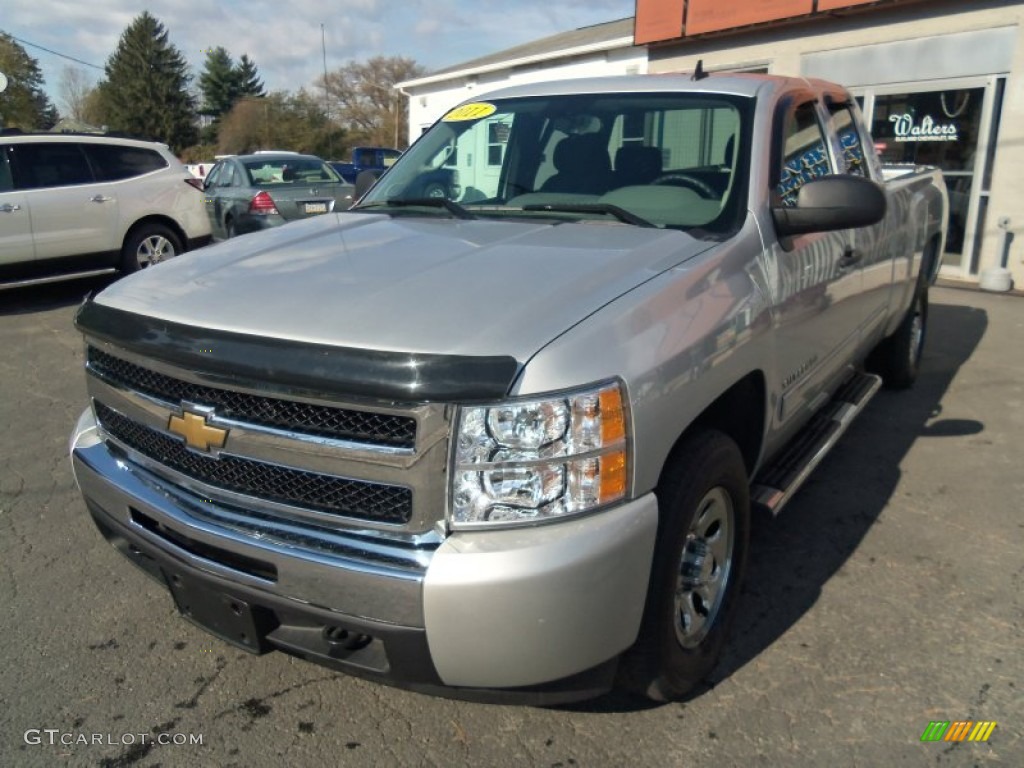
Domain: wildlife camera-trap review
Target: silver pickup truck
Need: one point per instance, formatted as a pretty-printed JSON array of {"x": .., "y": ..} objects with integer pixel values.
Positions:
[{"x": 507, "y": 446}]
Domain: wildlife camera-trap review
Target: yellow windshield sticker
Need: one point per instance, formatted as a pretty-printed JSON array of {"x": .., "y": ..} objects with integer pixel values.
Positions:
[{"x": 472, "y": 111}]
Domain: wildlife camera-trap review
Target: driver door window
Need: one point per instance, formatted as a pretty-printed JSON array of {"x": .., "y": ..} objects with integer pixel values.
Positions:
[
  {"x": 227, "y": 176},
  {"x": 804, "y": 153},
  {"x": 213, "y": 176}
]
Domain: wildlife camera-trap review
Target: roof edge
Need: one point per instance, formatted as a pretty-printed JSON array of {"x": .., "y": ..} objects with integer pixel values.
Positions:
[{"x": 452, "y": 74}]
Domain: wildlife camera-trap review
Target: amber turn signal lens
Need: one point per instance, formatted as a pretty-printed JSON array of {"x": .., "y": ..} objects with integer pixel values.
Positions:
[
  {"x": 613, "y": 422},
  {"x": 613, "y": 476}
]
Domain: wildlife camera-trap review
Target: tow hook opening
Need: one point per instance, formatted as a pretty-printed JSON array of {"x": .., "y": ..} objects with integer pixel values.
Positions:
[{"x": 343, "y": 638}]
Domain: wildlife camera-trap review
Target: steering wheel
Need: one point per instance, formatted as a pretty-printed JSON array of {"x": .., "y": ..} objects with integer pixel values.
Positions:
[{"x": 702, "y": 188}]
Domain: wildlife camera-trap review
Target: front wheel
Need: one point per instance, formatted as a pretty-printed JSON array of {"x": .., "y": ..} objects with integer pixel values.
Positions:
[
  {"x": 435, "y": 189},
  {"x": 148, "y": 244},
  {"x": 703, "y": 537}
]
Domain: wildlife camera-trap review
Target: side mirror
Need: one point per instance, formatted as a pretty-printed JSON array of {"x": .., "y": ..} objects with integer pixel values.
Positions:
[
  {"x": 364, "y": 181},
  {"x": 832, "y": 202}
]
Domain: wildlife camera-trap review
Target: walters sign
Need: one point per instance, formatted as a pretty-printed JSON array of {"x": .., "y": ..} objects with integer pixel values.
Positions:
[{"x": 907, "y": 129}]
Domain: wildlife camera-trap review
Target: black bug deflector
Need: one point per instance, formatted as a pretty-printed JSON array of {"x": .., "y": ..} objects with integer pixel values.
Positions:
[{"x": 320, "y": 368}]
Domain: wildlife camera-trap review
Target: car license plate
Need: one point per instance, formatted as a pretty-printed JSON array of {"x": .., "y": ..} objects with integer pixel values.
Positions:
[
  {"x": 220, "y": 614},
  {"x": 316, "y": 208}
]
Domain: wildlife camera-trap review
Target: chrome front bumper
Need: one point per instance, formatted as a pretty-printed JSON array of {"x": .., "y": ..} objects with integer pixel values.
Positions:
[{"x": 531, "y": 610}]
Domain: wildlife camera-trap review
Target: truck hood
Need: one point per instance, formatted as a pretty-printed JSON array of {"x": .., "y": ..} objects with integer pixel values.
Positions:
[{"x": 406, "y": 284}]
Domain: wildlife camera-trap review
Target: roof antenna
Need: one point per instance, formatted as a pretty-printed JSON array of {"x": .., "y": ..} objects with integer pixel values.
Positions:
[{"x": 699, "y": 73}]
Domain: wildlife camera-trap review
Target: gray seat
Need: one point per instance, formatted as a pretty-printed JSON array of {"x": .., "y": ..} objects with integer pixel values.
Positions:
[{"x": 582, "y": 166}]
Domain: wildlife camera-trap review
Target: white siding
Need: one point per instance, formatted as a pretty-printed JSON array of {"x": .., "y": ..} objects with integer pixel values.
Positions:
[{"x": 428, "y": 102}]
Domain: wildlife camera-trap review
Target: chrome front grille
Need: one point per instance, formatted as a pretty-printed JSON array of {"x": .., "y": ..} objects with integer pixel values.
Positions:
[
  {"x": 304, "y": 418},
  {"x": 314, "y": 463},
  {"x": 326, "y": 493}
]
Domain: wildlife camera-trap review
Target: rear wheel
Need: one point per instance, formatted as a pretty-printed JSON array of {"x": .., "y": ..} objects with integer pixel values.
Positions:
[
  {"x": 148, "y": 244},
  {"x": 703, "y": 536},
  {"x": 897, "y": 358}
]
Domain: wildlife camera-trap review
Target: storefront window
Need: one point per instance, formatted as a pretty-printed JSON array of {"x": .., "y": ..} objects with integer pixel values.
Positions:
[{"x": 935, "y": 128}]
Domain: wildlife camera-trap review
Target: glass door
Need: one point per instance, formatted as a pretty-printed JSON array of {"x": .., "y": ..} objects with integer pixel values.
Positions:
[{"x": 947, "y": 125}]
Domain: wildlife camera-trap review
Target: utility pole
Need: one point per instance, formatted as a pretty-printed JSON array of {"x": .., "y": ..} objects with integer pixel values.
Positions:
[
  {"x": 3, "y": 87},
  {"x": 327, "y": 101}
]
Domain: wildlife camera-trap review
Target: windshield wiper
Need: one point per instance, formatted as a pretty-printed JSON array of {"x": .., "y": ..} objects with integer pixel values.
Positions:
[
  {"x": 451, "y": 206},
  {"x": 612, "y": 210}
]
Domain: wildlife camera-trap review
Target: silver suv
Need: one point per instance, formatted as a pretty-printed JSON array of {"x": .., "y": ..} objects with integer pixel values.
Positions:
[{"x": 76, "y": 205}]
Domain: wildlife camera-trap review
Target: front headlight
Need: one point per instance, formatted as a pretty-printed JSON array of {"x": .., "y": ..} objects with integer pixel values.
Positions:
[{"x": 526, "y": 461}]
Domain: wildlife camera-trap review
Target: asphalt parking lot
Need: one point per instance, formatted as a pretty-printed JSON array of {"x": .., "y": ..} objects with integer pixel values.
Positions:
[{"x": 889, "y": 594}]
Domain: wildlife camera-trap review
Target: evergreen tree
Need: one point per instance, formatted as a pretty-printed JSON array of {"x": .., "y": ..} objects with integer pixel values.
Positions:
[
  {"x": 24, "y": 104},
  {"x": 249, "y": 79},
  {"x": 145, "y": 92},
  {"x": 222, "y": 84},
  {"x": 219, "y": 83}
]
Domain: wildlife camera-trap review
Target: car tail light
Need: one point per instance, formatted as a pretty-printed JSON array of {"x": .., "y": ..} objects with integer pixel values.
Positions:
[
  {"x": 262, "y": 203},
  {"x": 194, "y": 182}
]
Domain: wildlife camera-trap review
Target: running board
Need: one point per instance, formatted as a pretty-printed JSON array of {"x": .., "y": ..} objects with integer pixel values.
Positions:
[
  {"x": 58, "y": 278},
  {"x": 776, "y": 483}
]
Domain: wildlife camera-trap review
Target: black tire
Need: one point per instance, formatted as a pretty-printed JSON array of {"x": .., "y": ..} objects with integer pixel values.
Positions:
[
  {"x": 897, "y": 358},
  {"x": 435, "y": 189},
  {"x": 703, "y": 487},
  {"x": 148, "y": 244},
  {"x": 229, "y": 229}
]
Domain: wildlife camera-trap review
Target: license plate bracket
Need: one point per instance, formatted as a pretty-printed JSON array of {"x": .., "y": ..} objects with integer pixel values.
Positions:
[
  {"x": 313, "y": 208},
  {"x": 228, "y": 617}
]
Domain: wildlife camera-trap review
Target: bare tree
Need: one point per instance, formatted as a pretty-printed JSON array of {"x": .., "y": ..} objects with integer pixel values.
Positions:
[
  {"x": 282, "y": 120},
  {"x": 364, "y": 100},
  {"x": 74, "y": 88}
]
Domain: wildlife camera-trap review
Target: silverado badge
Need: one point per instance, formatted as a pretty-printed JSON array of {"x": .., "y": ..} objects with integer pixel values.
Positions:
[{"x": 197, "y": 433}]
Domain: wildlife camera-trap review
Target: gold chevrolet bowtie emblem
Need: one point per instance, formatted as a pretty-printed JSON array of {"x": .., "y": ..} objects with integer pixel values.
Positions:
[{"x": 197, "y": 433}]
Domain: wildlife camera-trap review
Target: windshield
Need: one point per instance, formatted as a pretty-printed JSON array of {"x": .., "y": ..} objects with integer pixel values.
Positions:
[
  {"x": 667, "y": 160},
  {"x": 283, "y": 170}
]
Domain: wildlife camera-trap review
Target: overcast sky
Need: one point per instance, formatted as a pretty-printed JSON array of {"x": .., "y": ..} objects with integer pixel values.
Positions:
[{"x": 283, "y": 37}]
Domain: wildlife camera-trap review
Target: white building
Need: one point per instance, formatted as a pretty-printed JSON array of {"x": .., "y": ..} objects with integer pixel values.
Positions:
[{"x": 603, "y": 49}]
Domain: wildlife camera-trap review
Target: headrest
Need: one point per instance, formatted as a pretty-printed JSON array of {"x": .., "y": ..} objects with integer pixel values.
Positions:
[
  {"x": 581, "y": 153},
  {"x": 641, "y": 160}
]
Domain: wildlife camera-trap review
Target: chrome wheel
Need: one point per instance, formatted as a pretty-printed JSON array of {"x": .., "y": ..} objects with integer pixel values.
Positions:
[
  {"x": 704, "y": 567},
  {"x": 153, "y": 249}
]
